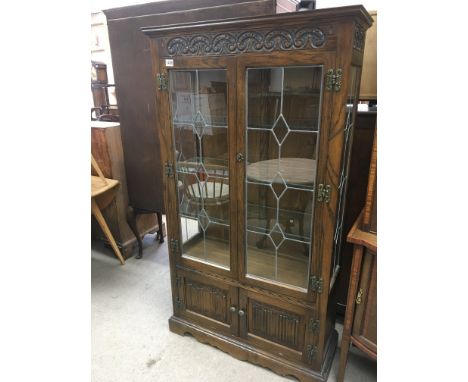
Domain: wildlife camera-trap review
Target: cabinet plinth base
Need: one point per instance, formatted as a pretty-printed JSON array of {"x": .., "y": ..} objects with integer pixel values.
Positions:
[{"x": 246, "y": 352}]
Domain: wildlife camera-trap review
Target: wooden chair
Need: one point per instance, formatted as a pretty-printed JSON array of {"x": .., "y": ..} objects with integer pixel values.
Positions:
[
  {"x": 213, "y": 191},
  {"x": 103, "y": 191}
]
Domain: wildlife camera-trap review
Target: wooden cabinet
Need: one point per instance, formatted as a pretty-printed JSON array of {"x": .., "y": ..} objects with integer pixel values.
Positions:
[
  {"x": 106, "y": 147},
  {"x": 256, "y": 123},
  {"x": 360, "y": 325}
]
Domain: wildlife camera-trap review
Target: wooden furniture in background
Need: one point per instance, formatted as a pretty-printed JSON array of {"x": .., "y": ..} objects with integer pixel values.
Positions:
[
  {"x": 259, "y": 94},
  {"x": 102, "y": 192},
  {"x": 360, "y": 159},
  {"x": 103, "y": 110},
  {"x": 363, "y": 136},
  {"x": 106, "y": 147},
  {"x": 135, "y": 88},
  {"x": 369, "y": 66},
  {"x": 360, "y": 325}
]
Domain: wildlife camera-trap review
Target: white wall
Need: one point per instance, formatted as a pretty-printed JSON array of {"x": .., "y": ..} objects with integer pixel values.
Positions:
[
  {"x": 100, "y": 49},
  {"x": 99, "y": 5},
  {"x": 370, "y": 5}
]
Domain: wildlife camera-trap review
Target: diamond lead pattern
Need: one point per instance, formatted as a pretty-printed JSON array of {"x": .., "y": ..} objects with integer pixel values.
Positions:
[
  {"x": 280, "y": 129},
  {"x": 203, "y": 220},
  {"x": 279, "y": 185},
  {"x": 201, "y": 172},
  {"x": 199, "y": 124},
  {"x": 277, "y": 235}
]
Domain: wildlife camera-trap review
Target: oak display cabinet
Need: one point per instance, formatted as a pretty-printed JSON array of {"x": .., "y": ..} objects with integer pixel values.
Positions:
[{"x": 255, "y": 116}]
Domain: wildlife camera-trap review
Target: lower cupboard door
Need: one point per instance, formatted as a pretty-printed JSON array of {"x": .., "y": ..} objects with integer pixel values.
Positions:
[
  {"x": 207, "y": 303},
  {"x": 278, "y": 327}
]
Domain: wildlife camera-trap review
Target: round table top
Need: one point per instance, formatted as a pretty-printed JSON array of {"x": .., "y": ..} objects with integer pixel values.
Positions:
[{"x": 293, "y": 170}]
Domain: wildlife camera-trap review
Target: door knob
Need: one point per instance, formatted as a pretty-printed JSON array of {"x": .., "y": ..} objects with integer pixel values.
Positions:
[
  {"x": 232, "y": 309},
  {"x": 240, "y": 157},
  {"x": 241, "y": 312}
]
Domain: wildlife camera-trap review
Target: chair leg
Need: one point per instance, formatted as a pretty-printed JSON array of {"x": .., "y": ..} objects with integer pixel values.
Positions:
[
  {"x": 102, "y": 223},
  {"x": 160, "y": 234},
  {"x": 131, "y": 220}
]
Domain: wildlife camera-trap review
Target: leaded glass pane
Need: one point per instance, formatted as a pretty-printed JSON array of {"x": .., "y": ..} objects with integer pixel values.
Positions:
[
  {"x": 199, "y": 110},
  {"x": 282, "y": 126},
  {"x": 348, "y": 133}
]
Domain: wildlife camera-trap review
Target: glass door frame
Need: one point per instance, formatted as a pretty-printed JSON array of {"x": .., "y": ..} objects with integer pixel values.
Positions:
[
  {"x": 173, "y": 217},
  {"x": 283, "y": 59}
]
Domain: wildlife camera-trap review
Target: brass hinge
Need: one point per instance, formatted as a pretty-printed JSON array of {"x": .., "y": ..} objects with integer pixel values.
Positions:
[
  {"x": 312, "y": 350},
  {"x": 316, "y": 284},
  {"x": 168, "y": 169},
  {"x": 314, "y": 326},
  {"x": 178, "y": 281},
  {"x": 178, "y": 302},
  {"x": 334, "y": 78},
  {"x": 174, "y": 245},
  {"x": 323, "y": 193},
  {"x": 162, "y": 81},
  {"x": 359, "y": 296}
]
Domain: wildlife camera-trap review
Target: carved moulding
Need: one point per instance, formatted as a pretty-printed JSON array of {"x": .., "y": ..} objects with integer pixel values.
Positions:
[
  {"x": 248, "y": 41},
  {"x": 359, "y": 37}
]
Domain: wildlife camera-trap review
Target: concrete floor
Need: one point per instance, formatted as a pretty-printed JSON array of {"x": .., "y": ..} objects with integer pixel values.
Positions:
[{"x": 131, "y": 341}]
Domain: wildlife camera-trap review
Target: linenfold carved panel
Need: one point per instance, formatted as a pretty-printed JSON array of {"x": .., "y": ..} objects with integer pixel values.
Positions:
[
  {"x": 206, "y": 300},
  {"x": 275, "y": 325},
  {"x": 215, "y": 44}
]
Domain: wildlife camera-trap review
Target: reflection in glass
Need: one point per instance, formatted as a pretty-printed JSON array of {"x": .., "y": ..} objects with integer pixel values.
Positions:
[
  {"x": 199, "y": 110},
  {"x": 348, "y": 134},
  {"x": 283, "y": 118}
]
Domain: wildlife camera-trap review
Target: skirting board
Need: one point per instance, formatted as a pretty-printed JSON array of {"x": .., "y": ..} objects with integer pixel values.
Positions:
[{"x": 245, "y": 352}]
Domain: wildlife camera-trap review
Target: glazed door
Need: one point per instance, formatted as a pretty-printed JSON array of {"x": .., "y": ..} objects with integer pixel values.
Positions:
[
  {"x": 201, "y": 98},
  {"x": 283, "y": 122}
]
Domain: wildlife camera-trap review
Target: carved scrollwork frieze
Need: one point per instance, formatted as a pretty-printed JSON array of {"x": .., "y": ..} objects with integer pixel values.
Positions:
[{"x": 216, "y": 44}]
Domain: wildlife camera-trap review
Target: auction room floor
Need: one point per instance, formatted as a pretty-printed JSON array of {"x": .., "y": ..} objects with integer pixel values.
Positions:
[{"x": 131, "y": 341}]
